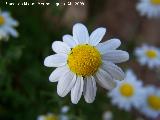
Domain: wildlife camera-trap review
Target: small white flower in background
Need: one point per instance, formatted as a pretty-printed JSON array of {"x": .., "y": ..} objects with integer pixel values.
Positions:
[
  {"x": 107, "y": 115},
  {"x": 7, "y": 24},
  {"x": 128, "y": 93},
  {"x": 81, "y": 61},
  {"x": 49, "y": 116},
  {"x": 151, "y": 105},
  {"x": 148, "y": 55},
  {"x": 150, "y": 8},
  {"x": 63, "y": 117},
  {"x": 64, "y": 109}
]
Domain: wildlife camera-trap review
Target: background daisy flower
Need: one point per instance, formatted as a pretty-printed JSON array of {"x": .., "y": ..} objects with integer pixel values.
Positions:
[
  {"x": 128, "y": 93},
  {"x": 148, "y": 55},
  {"x": 151, "y": 104},
  {"x": 150, "y": 8},
  {"x": 107, "y": 115},
  {"x": 82, "y": 61},
  {"x": 49, "y": 116},
  {"x": 7, "y": 24}
]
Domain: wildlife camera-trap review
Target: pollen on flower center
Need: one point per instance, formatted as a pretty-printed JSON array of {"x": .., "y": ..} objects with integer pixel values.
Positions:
[
  {"x": 2, "y": 20},
  {"x": 84, "y": 60},
  {"x": 154, "y": 102},
  {"x": 151, "y": 54},
  {"x": 155, "y": 2},
  {"x": 126, "y": 90}
]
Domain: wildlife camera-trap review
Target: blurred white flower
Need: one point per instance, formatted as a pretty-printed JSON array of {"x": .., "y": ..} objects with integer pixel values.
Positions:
[
  {"x": 128, "y": 93},
  {"x": 150, "y": 8},
  {"x": 7, "y": 24},
  {"x": 107, "y": 115},
  {"x": 63, "y": 117},
  {"x": 49, "y": 116},
  {"x": 151, "y": 105},
  {"x": 81, "y": 61},
  {"x": 64, "y": 109},
  {"x": 148, "y": 55}
]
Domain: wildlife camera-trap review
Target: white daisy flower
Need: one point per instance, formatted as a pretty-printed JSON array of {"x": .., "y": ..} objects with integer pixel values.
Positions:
[
  {"x": 81, "y": 61},
  {"x": 151, "y": 105},
  {"x": 148, "y": 55},
  {"x": 150, "y": 8},
  {"x": 49, "y": 116},
  {"x": 7, "y": 24},
  {"x": 128, "y": 93}
]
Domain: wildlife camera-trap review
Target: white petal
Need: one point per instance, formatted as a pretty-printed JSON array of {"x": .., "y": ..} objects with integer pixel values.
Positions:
[
  {"x": 11, "y": 31},
  {"x": 80, "y": 33},
  {"x": 6, "y": 14},
  {"x": 12, "y": 22},
  {"x": 96, "y": 36},
  {"x": 66, "y": 83},
  {"x": 68, "y": 39},
  {"x": 56, "y": 60},
  {"x": 57, "y": 73},
  {"x": 111, "y": 44},
  {"x": 105, "y": 79},
  {"x": 77, "y": 90},
  {"x": 60, "y": 47},
  {"x": 3, "y": 34},
  {"x": 116, "y": 56},
  {"x": 115, "y": 71},
  {"x": 90, "y": 89}
]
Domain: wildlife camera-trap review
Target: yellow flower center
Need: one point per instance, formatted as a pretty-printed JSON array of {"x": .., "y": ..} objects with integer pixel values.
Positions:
[
  {"x": 50, "y": 117},
  {"x": 154, "y": 102},
  {"x": 84, "y": 60},
  {"x": 126, "y": 90},
  {"x": 151, "y": 54},
  {"x": 155, "y": 2},
  {"x": 2, "y": 20}
]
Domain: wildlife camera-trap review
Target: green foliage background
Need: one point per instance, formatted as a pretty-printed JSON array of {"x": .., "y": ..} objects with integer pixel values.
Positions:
[{"x": 25, "y": 91}]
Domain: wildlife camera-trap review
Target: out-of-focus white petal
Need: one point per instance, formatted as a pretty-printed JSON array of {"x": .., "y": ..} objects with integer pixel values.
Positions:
[
  {"x": 41, "y": 117},
  {"x": 11, "y": 31}
]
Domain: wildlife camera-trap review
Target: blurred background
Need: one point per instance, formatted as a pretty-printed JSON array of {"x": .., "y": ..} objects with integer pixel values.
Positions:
[{"x": 25, "y": 91}]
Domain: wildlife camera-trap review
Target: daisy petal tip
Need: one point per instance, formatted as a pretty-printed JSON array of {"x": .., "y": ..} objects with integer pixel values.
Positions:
[
  {"x": 89, "y": 101},
  {"x": 103, "y": 29},
  {"x": 50, "y": 79},
  {"x": 116, "y": 41},
  {"x": 59, "y": 92},
  {"x": 78, "y": 24},
  {"x": 126, "y": 56},
  {"x": 46, "y": 63},
  {"x": 74, "y": 101}
]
